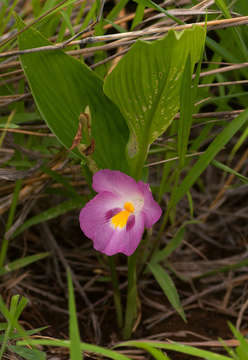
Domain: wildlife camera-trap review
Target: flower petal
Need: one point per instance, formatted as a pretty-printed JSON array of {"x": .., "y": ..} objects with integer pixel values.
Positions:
[
  {"x": 151, "y": 210},
  {"x": 116, "y": 192},
  {"x": 112, "y": 241},
  {"x": 95, "y": 223},
  {"x": 97, "y": 212},
  {"x": 116, "y": 182}
]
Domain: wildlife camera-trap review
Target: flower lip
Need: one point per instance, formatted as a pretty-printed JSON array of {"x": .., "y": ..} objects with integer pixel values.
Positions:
[
  {"x": 129, "y": 207},
  {"x": 116, "y": 217},
  {"x": 120, "y": 219}
]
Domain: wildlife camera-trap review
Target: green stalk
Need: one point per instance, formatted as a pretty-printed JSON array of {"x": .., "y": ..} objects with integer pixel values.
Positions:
[
  {"x": 131, "y": 307},
  {"x": 5, "y": 242},
  {"x": 137, "y": 163},
  {"x": 117, "y": 294},
  {"x": 136, "y": 167},
  {"x": 10, "y": 117}
]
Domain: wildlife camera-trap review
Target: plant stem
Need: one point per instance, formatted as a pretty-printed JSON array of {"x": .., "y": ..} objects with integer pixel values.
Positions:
[
  {"x": 117, "y": 295},
  {"x": 131, "y": 307},
  {"x": 136, "y": 168},
  {"x": 138, "y": 161},
  {"x": 5, "y": 243}
]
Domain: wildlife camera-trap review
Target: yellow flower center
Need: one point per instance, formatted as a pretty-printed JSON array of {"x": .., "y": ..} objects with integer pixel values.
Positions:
[
  {"x": 120, "y": 219},
  {"x": 129, "y": 207}
]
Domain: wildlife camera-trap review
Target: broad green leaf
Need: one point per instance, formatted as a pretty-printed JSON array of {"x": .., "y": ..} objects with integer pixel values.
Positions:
[
  {"x": 62, "y": 87},
  {"x": 146, "y": 86},
  {"x": 168, "y": 287},
  {"x": 75, "y": 350}
]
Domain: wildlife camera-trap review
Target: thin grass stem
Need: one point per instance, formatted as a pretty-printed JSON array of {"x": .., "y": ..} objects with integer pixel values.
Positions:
[{"x": 5, "y": 243}]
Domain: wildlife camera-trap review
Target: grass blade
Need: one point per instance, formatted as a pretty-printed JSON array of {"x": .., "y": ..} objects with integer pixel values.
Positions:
[
  {"x": 95, "y": 349},
  {"x": 219, "y": 142},
  {"x": 28, "y": 354},
  {"x": 229, "y": 170},
  {"x": 20, "y": 263},
  {"x": 51, "y": 213},
  {"x": 75, "y": 350},
  {"x": 4, "y": 247},
  {"x": 168, "y": 287},
  {"x": 184, "y": 349}
]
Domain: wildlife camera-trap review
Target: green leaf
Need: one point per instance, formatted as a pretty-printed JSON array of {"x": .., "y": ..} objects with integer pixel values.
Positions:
[
  {"x": 237, "y": 35},
  {"x": 184, "y": 349},
  {"x": 172, "y": 245},
  {"x": 139, "y": 14},
  {"x": 156, "y": 353},
  {"x": 15, "y": 335},
  {"x": 146, "y": 86},
  {"x": 230, "y": 170},
  {"x": 219, "y": 142},
  {"x": 84, "y": 347},
  {"x": 242, "y": 349},
  {"x": 20, "y": 263},
  {"x": 117, "y": 9},
  {"x": 14, "y": 202},
  {"x": 75, "y": 350},
  {"x": 153, "y": 5},
  {"x": 224, "y": 269},
  {"x": 168, "y": 287},
  {"x": 3, "y": 326},
  {"x": 51, "y": 213},
  {"x": 70, "y": 190},
  {"x": 29, "y": 354},
  {"x": 12, "y": 314},
  {"x": 185, "y": 119},
  {"x": 62, "y": 87}
]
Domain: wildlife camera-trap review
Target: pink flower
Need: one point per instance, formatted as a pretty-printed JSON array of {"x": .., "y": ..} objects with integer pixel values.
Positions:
[{"x": 116, "y": 217}]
